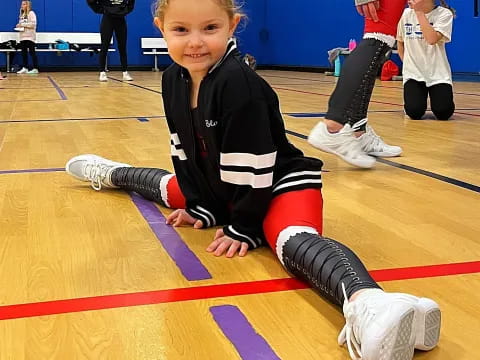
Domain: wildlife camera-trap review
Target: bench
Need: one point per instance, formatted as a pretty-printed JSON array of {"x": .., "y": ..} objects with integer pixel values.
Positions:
[
  {"x": 154, "y": 46},
  {"x": 46, "y": 41}
]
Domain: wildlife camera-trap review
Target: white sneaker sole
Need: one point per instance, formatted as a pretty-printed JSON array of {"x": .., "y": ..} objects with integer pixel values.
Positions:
[
  {"x": 362, "y": 164},
  {"x": 399, "y": 343},
  {"x": 428, "y": 320},
  {"x": 385, "y": 154}
]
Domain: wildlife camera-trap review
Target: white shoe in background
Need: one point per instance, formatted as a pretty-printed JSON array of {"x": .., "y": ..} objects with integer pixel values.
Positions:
[
  {"x": 23, "y": 71},
  {"x": 343, "y": 143},
  {"x": 126, "y": 76},
  {"x": 103, "y": 76},
  {"x": 373, "y": 145},
  {"x": 33, "y": 71}
]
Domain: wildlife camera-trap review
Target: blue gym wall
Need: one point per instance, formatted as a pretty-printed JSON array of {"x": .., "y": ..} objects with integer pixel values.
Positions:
[{"x": 277, "y": 32}]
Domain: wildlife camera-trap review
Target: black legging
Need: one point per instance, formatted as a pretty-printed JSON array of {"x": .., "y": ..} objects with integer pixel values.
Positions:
[
  {"x": 26, "y": 46},
  {"x": 415, "y": 94},
  {"x": 107, "y": 27},
  {"x": 351, "y": 97}
]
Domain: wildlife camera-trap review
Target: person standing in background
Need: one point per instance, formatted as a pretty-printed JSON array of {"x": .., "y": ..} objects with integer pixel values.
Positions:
[
  {"x": 113, "y": 20},
  {"x": 27, "y": 25},
  {"x": 345, "y": 131}
]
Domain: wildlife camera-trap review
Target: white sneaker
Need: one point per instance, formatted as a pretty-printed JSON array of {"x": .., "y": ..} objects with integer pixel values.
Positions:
[
  {"x": 33, "y": 71},
  {"x": 379, "y": 326},
  {"x": 344, "y": 144},
  {"x": 23, "y": 71},
  {"x": 93, "y": 168},
  {"x": 126, "y": 76},
  {"x": 389, "y": 326},
  {"x": 103, "y": 76},
  {"x": 373, "y": 145}
]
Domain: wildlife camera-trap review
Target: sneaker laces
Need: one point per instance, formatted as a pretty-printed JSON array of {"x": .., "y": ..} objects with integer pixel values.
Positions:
[
  {"x": 373, "y": 141},
  {"x": 96, "y": 173},
  {"x": 356, "y": 315}
]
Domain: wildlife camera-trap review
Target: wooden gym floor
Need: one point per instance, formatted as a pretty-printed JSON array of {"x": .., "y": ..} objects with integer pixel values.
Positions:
[{"x": 97, "y": 275}]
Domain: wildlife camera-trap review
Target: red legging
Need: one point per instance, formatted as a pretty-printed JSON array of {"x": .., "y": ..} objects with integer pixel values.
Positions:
[
  {"x": 294, "y": 208},
  {"x": 389, "y": 14}
]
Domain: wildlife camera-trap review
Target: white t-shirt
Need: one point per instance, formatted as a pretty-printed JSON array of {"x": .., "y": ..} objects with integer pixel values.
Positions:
[{"x": 421, "y": 61}]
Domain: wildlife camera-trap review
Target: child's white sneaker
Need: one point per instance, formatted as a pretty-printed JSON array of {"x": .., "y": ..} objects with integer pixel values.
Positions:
[
  {"x": 389, "y": 326},
  {"x": 379, "y": 326},
  {"x": 33, "y": 71},
  {"x": 343, "y": 143},
  {"x": 126, "y": 76},
  {"x": 94, "y": 169},
  {"x": 22, "y": 71},
  {"x": 103, "y": 76}
]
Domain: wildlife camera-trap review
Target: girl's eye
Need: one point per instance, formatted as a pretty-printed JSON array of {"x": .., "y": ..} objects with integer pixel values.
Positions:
[
  {"x": 180, "y": 29},
  {"x": 211, "y": 27}
]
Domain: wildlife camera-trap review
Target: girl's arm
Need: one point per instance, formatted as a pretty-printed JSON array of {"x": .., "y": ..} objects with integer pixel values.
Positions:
[
  {"x": 429, "y": 33},
  {"x": 401, "y": 49}
]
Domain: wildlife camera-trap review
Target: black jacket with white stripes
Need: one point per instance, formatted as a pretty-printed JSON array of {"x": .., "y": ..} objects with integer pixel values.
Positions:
[{"x": 250, "y": 159}]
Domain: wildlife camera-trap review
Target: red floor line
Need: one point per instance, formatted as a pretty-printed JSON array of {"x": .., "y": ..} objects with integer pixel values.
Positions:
[{"x": 213, "y": 291}]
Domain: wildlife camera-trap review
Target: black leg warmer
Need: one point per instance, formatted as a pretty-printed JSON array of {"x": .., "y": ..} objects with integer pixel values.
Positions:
[
  {"x": 325, "y": 264},
  {"x": 144, "y": 181}
]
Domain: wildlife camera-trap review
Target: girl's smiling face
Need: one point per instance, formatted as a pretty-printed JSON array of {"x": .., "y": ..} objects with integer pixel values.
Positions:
[{"x": 197, "y": 32}]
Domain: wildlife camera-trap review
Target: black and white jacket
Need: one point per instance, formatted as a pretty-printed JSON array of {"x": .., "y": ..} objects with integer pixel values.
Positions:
[{"x": 249, "y": 156}]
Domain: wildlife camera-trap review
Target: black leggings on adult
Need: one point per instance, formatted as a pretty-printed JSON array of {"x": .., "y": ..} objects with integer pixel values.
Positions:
[
  {"x": 351, "y": 97},
  {"x": 107, "y": 27},
  {"x": 28, "y": 46},
  {"x": 415, "y": 94}
]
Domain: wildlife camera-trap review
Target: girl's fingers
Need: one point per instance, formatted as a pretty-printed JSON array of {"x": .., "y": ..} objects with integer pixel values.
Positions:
[
  {"x": 171, "y": 218},
  {"x": 219, "y": 234},
  {"x": 232, "y": 250},
  {"x": 225, "y": 243},
  {"x": 243, "y": 249},
  {"x": 213, "y": 245}
]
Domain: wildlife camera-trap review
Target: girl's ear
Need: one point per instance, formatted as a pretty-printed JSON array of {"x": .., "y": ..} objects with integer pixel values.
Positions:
[
  {"x": 234, "y": 23},
  {"x": 159, "y": 24}
]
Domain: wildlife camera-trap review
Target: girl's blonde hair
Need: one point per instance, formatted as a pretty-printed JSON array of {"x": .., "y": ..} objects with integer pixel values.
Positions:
[
  {"x": 24, "y": 14},
  {"x": 445, "y": 5},
  {"x": 230, "y": 7}
]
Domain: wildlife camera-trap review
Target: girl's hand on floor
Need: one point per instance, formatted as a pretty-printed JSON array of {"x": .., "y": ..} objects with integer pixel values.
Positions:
[
  {"x": 180, "y": 217},
  {"x": 223, "y": 244}
]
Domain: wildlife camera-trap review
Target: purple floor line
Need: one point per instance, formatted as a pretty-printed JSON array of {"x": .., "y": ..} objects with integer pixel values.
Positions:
[
  {"x": 249, "y": 344},
  {"x": 186, "y": 260},
  {"x": 60, "y": 91}
]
